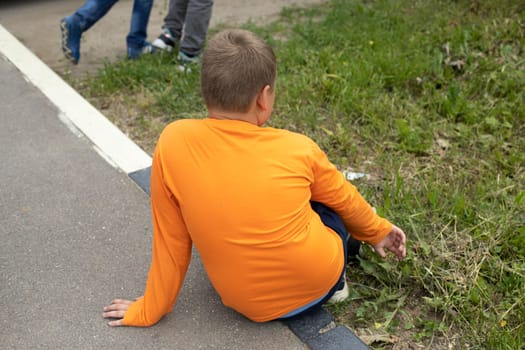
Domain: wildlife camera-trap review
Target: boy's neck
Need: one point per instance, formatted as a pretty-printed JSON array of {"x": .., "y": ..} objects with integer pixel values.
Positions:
[
  {"x": 249, "y": 116},
  {"x": 258, "y": 111},
  {"x": 257, "y": 114}
]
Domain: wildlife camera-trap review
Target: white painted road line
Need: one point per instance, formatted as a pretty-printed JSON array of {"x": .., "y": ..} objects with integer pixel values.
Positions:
[{"x": 108, "y": 140}]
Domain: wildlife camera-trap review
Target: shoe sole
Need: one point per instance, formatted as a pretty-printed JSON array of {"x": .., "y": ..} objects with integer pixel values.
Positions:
[{"x": 65, "y": 48}]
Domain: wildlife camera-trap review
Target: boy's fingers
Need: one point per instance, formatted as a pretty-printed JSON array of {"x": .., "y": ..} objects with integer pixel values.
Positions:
[
  {"x": 114, "y": 314},
  {"x": 116, "y": 323},
  {"x": 381, "y": 252},
  {"x": 398, "y": 249},
  {"x": 116, "y": 307},
  {"x": 401, "y": 252}
]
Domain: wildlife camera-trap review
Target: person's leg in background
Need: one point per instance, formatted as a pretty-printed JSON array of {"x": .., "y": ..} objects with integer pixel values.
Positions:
[
  {"x": 84, "y": 18},
  {"x": 137, "y": 37},
  {"x": 187, "y": 23},
  {"x": 171, "y": 33},
  {"x": 91, "y": 12},
  {"x": 198, "y": 15}
]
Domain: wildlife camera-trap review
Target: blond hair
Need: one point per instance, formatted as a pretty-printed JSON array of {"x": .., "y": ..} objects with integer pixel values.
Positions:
[{"x": 236, "y": 66}]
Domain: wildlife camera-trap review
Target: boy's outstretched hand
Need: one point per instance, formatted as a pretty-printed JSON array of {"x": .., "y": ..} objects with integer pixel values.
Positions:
[
  {"x": 395, "y": 241},
  {"x": 116, "y": 309}
]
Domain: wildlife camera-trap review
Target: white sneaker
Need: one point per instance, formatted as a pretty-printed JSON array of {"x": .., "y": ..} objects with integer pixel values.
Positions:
[
  {"x": 340, "y": 294},
  {"x": 166, "y": 41},
  {"x": 186, "y": 62}
]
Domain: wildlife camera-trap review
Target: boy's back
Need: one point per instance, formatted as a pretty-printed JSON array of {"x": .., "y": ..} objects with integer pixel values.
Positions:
[{"x": 244, "y": 193}]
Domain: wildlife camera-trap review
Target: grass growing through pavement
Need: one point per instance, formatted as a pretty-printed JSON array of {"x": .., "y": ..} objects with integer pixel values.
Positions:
[{"x": 427, "y": 97}]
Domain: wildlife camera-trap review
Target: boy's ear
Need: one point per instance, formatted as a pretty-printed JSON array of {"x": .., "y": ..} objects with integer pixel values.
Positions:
[
  {"x": 264, "y": 105},
  {"x": 264, "y": 99}
]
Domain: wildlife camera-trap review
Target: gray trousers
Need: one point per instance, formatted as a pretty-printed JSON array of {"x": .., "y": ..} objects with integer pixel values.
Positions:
[{"x": 188, "y": 21}]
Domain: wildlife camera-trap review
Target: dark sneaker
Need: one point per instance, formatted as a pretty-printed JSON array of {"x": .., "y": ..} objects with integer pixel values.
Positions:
[
  {"x": 341, "y": 294},
  {"x": 166, "y": 41},
  {"x": 71, "y": 34},
  {"x": 134, "y": 53},
  {"x": 354, "y": 250},
  {"x": 353, "y": 247},
  {"x": 186, "y": 61}
]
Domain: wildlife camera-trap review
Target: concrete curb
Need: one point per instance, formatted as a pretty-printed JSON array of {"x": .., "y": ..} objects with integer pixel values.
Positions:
[
  {"x": 78, "y": 114},
  {"x": 316, "y": 328}
]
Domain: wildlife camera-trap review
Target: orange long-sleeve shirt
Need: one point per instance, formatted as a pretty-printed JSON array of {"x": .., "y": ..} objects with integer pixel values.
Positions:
[{"x": 241, "y": 193}]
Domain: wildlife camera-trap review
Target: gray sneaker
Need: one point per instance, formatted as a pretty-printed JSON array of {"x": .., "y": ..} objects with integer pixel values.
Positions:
[
  {"x": 186, "y": 62},
  {"x": 166, "y": 41}
]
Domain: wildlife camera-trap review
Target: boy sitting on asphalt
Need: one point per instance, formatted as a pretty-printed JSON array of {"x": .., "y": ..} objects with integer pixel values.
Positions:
[{"x": 265, "y": 208}]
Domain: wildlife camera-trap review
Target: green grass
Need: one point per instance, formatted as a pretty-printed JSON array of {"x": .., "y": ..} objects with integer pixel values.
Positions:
[{"x": 428, "y": 98}]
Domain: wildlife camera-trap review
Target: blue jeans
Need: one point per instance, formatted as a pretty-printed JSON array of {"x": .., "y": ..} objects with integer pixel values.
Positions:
[
  {"x": 332, "y": 220},
  {"x": 93, "y": 10}
]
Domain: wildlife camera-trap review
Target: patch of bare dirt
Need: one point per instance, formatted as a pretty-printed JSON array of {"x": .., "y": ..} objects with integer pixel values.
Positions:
[{"x": 36, "y": 24}]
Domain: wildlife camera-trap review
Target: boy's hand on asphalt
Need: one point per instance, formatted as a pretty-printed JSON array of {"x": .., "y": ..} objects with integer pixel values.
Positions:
[
  {"x": 395, "y": 241},
  {"x": 117, "y": 309}
]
